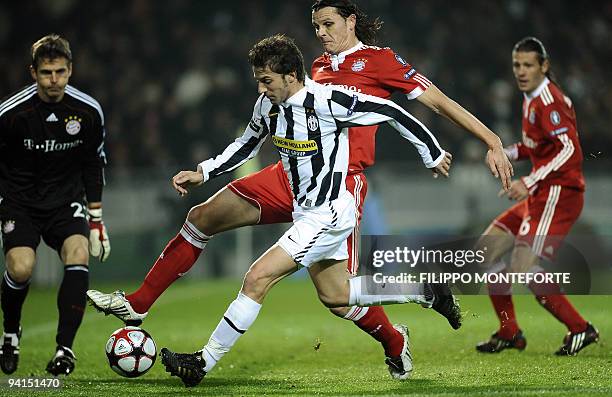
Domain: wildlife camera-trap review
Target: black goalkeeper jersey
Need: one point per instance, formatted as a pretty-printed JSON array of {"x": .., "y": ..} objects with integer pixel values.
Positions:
[{"x": 51, "y": 153}]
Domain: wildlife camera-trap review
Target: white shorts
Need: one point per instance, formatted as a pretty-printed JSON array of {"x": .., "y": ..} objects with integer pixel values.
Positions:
[{"x": 320, "y": 233}]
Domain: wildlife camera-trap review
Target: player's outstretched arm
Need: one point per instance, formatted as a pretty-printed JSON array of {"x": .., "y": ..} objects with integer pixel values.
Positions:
[
  {"x": 353, "y": 109},
  {"x": 496, "y": 158},
  {"x": 186, "y": 179},
  {"x": 235, "y": 155}
]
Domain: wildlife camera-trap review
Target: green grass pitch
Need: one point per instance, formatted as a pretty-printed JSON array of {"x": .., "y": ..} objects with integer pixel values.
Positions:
[{"x": 279, "y": 354}]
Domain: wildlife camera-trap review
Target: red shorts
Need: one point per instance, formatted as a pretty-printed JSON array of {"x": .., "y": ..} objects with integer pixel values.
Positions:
[
  {"x": 543, "y": 220},
  {"x": 269, "y": 190}
]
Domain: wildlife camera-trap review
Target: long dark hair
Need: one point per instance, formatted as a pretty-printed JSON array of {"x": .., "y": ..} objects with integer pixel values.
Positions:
[
  {"x": 366, "y": 28},
  {"x": 531, "y": 44}
]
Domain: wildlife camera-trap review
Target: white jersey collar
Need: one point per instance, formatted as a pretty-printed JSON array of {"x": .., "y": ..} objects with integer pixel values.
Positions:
[
  {"x": 535, "y": 93},
  {"x": 337, "y": 59},
  {"x": 298, "y": 98}
]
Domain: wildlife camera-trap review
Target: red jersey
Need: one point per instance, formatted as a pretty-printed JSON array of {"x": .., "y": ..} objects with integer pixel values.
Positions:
[
  {"x": 374, "y": 71},
  {"x": 550, "y": 139}
]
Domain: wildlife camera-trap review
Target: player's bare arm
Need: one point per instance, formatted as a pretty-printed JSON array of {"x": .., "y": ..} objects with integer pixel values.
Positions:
[{"x": 496, "y": 159}]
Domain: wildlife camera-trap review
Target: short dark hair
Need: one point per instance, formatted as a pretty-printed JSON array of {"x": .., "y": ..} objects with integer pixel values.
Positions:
[
  {"x": 280, "y": 54},
  {"x": 52, "y": 46},
  {"x": 366, "y": 28}
]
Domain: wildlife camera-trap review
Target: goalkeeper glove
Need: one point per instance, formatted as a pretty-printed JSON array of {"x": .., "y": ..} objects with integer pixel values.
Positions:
[{"x": 99, "y": 244}]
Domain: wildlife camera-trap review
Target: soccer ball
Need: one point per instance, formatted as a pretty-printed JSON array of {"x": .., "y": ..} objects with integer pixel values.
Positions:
[{"x": 131, "y": 351}]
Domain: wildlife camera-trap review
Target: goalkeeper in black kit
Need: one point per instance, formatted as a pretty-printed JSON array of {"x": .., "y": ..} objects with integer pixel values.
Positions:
[{"x": 51, "y": 179}]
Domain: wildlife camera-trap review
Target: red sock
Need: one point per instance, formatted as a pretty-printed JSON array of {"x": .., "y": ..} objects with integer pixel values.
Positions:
[
  {"x": 552, "y": 299},
  {"x": 504, "y": 308},
  {"x": 501, "y": 297},
  {"x": 376, "y": 323},
  {"x": 176, "y": 259}
]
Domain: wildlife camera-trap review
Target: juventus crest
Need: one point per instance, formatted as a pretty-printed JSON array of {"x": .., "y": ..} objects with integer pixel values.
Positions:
[{"x": 313, "y": 122}]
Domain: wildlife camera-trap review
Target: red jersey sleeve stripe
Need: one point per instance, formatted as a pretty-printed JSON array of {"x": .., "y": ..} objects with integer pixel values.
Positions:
[
  {"x": 422, "y": 80},
  {"x": 547, "y": 97},
  {"x": 553, "y": 165}
]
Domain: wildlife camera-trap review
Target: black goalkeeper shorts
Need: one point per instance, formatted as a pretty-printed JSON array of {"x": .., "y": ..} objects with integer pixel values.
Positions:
[{"x": 23, "y": 227}]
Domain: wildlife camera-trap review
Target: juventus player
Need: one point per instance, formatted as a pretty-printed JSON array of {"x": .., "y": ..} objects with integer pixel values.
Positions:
[
  {"x": 308, "y": 123},
  {"x": 550, "y": 200},
  {"x": 264, "y": 197}
]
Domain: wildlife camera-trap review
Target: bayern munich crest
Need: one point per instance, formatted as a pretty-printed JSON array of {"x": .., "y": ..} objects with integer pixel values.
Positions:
[
  {"x": 532, "y": 115},
  {"x": 358, "y": 65},
  {"x": 73, "y": 125}
]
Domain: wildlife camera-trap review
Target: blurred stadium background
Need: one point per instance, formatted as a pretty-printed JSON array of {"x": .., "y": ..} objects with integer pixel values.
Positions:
[{"x": 176, "y": 87}]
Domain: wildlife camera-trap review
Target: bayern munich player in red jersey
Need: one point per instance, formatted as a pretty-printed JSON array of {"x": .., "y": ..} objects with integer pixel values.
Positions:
[
  {"x": 265, "y": 197},
  {"x": 550, "y": 200}
]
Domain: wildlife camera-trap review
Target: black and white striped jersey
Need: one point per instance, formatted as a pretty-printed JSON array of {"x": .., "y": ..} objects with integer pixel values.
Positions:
[{"x": 310, "y": 132}]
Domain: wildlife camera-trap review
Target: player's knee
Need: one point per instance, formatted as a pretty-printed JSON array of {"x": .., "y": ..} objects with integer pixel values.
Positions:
[
  {"x": 331, "y": 300},
  {"x": 481, "y": 244},
  {"x": 339, "y": 311},
  {"x": 523, "y": 259},
  {"x": 197, "y": 215},
  {"x": 19, "y": 267},
  {"x": 520, "y": 267},
  {"x": 493, "y": 249},
  {"x": 203, "y": 217},
  {"x": 78, "y": 255},
  {"x": 20, "y": 274},
  {"x": 256, "y": 283}
]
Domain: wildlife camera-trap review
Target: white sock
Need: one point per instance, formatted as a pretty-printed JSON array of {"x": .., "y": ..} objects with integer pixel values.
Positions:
[
  {"x": 356, "y": 313},
  {"x": 358, "y": 297},
  {"x": 239, "y": 316}
]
